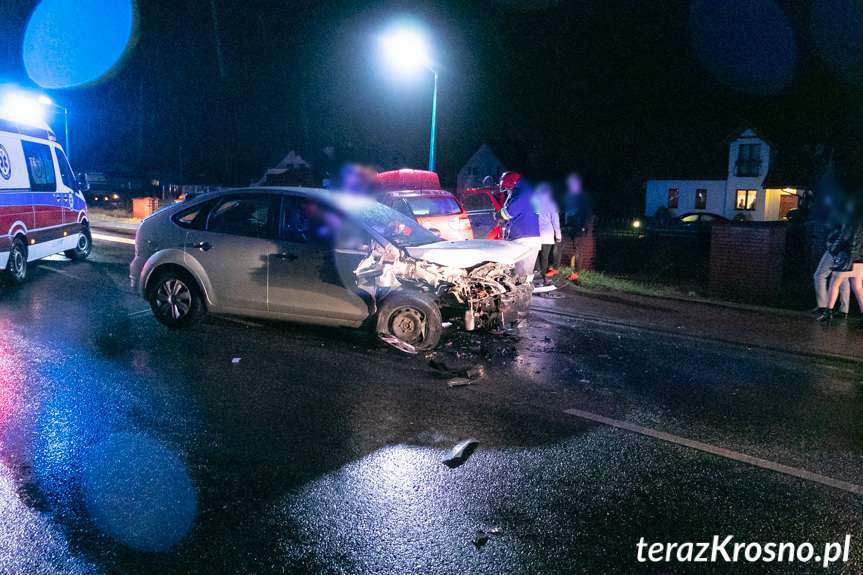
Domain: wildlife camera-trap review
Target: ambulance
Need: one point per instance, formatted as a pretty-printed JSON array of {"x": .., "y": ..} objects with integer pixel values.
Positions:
[{"x": 42, "y": 206}]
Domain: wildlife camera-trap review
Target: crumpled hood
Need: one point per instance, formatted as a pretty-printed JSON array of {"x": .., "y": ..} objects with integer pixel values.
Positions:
[{"x": 469, "y": 253}]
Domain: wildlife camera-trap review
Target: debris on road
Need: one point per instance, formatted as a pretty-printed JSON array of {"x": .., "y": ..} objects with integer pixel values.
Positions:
[
  {"x": 460, "y": 453},
  {"x": 235, "y": 360},
  {"x": 446, "y": 324},
  {"x": 480, "y": 541},
  {"x": 476, "y": 372},
  {"x": 397, "y": 343},
  {"x": 458, "y": 382}
]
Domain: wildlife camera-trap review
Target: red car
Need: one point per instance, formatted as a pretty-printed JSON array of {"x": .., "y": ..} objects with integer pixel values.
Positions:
[
  {"x": 481, "y": 205},
  {"x": 417, "y": 194}
]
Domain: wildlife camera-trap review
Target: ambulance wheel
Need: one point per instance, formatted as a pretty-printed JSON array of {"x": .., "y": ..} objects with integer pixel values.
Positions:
[
  {"x": 175, "y": 300},
  {"x": 16, "y": 268},
  {"x": 413, "y": 318},
  {"x": 85, "y": 245}
]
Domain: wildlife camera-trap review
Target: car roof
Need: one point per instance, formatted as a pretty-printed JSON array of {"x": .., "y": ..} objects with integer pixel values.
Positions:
[{"x": 417, "y": 193}]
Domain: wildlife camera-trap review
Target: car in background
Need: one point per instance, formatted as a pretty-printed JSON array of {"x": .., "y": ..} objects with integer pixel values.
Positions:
[
  {"x": 699, "y": 219},
  {"x": 417, "y": 195},
  {"x": 482, "y": 206},
  {"x": 325, "y": 258}
]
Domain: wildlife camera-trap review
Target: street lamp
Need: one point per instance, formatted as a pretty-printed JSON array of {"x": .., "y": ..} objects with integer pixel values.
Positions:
[
  {"x": 407, "y": 50},
  {"x": 46, "y": 101}
]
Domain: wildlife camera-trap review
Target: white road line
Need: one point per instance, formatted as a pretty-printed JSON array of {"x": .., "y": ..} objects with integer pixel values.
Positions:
[
  {"x": 143, "y": 311},
  {"x": 110, "y": 238},
  {"x": 721, "y": 452}
]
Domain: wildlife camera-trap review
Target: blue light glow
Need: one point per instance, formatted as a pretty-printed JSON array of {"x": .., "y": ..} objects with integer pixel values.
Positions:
[{"x": 71, "y": 43}]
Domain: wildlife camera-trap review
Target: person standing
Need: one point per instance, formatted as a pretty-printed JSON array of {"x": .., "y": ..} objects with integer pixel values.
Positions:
[
  {"x": 578, "y": 211},
  {"x": 521, "y": 220},
  {"x": 549, "y": 230},
  {"x": 822, "y": 277},
  {"x": 847, "y": 252}
]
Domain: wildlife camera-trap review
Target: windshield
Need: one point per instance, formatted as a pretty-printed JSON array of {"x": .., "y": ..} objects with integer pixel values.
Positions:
[
  {"x": 397, "y": 228},
  {"x": 424, "y": 206}
]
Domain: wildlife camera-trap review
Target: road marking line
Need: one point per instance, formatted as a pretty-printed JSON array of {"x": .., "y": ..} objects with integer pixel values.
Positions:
[
  {"x": 143, "y": 311},
  {"x": 115, "y": 239},
  {"x": 721, "y": 452}
]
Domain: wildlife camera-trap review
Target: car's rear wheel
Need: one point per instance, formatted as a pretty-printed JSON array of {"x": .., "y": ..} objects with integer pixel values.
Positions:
[
  {"x": 17, "y": 270},
  {"x": 175, "y": 300},
  {"x": 413, "y": 318},
  {"x": 84, "y": 246}
]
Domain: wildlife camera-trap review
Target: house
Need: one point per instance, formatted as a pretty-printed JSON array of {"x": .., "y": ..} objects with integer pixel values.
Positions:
[
  {"x": 483, "y": 163},
  {"x": 757, "y": 185},
  {"x": 293, "y": 170}
]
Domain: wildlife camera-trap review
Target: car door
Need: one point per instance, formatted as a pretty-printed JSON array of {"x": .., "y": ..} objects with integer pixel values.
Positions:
[
  {"x": 47, "y": 201},
  {"x": 67, "y": 189},
  {"x": 311, "y": 269},
  {"x": 232, "y": 248},
  {"x": 480, "y": 210}
]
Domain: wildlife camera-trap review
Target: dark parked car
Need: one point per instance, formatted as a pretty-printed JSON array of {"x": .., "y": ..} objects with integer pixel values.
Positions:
[{"x": 699, "y": 219}]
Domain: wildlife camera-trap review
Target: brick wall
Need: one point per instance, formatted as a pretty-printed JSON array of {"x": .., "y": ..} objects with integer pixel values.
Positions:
[
  {"x": 584, "y": 248},
  {"x": 746, "y": 261}
]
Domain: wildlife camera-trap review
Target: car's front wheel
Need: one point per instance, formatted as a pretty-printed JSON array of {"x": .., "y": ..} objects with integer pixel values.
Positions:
[
  {"x": 413, "y": 318},
  {"x": 175, "y": 300},
  {"x": 84, "y": 246}
]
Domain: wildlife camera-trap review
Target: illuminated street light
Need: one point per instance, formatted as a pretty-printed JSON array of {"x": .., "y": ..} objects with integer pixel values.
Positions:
[
  {"x": 407, "y": 50},
  {"x": 47, "y": 101}
]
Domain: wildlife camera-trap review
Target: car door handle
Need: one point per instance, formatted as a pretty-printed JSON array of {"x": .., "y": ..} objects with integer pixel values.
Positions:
[
  {"x": 286, "y": 257},
  {"x": 203, "y": 246}
]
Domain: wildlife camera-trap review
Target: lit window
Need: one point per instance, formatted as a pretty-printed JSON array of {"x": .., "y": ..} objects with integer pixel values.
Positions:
[
  {"x": 746, "y": 199},
  {"x": 700, "y": 199},
  {"x": 673, "y": 197}
]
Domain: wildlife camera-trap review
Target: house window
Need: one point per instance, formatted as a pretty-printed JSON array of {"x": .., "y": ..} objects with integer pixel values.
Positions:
[
  {"x": 673, "y": 195},
  {"x": 746, "y": 199},
  {"x": 700, "y": 199},
  {"x": 749, "y": 160}
]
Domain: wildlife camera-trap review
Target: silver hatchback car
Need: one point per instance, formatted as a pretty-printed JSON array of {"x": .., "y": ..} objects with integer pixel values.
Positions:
[{"x": 320, "y": 257}]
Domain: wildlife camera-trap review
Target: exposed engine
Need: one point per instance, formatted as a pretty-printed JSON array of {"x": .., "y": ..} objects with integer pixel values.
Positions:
[{"x": 489, "y": 291}]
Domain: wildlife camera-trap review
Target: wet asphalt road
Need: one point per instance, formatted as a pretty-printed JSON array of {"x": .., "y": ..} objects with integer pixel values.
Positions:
[{"x": 125, "y": 447}]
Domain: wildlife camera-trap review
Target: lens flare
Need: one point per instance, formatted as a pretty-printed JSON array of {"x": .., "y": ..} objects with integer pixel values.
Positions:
[{"x": 71, "y": 43}]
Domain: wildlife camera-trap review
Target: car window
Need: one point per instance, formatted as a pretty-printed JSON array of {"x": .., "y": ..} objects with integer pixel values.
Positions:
[
  {"x": 66, "y": 175},
  {"x": 40, "y": 166},
  {"x": 309, "y": 221},
  {"x": 707, "y": 219},
  {"x": 401, "y": 206},
  {"x": 690, "y": 219},
  {"x": 191, "y": 217},
  {"x": 246, "y": 215},
  {"x": 477, "y": 202},
  {"x": 423, "y": 206}
]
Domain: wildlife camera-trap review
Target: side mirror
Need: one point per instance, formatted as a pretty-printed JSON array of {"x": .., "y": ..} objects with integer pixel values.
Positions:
[
  {"x": 83, "y": 183},
  {"x": 435, "y": 232}
]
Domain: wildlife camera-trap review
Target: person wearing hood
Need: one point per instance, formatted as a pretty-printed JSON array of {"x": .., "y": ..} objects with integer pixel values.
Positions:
[
  {"x": 520, "y": 220},
  {"x": 549, "y": 230}
]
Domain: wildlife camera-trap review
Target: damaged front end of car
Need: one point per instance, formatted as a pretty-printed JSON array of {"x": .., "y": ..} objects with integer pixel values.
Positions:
[{"x": 486, "y": 295}]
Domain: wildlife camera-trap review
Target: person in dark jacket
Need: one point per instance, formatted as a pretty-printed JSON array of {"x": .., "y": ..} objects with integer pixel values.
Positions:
[
  {"x": 520, "y": 220},
  {"x": 822, "y": 277},
  {"x": 847, "y": 252}
]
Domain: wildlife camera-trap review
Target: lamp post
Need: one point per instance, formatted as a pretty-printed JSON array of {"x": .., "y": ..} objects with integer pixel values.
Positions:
[
  {"x": 407, "y": 49},
  {"x": 46, "y": 101}
]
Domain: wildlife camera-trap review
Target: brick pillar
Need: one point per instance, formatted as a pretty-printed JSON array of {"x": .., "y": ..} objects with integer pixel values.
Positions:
[{"x": 747, "y": 260}]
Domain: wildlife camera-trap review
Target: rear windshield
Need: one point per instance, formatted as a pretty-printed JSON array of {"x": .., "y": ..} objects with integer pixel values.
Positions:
[
  {"x": 477, "y": 202},
  {"x": 433, "y": 206}
]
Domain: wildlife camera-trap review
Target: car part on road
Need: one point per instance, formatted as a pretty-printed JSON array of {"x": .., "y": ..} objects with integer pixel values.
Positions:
[
  {"x": 460, "y": 453},
  {"x": 83, "y": 248},
  {"x": 175, "y": 300},
  {"x": 17, "y": 270},
  {"x": 397, "y": 343},
  {"x": 459, "y": 382}
]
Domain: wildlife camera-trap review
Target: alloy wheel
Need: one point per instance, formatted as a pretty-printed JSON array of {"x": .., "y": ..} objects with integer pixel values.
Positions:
[{"x": 173, "y": 299}]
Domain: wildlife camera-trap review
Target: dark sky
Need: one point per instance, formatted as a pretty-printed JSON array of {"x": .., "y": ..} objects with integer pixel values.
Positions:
[{"x": 612, "y": 87}]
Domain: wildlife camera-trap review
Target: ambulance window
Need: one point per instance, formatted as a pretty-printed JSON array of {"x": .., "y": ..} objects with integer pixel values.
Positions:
[
  {"x": 65, "y": 171},
  {"x": 40, "y": 166}
]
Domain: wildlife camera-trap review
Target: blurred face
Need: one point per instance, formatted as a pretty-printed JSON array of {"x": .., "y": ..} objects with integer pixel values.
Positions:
[{"x": 573, "y": 184}]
